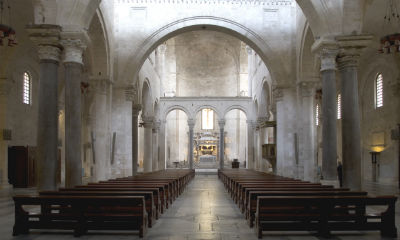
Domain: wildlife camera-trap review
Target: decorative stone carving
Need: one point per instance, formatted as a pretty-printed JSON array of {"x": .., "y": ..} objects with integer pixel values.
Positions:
[
  {"x": 215, "y": 2},
  {"x": 47, "y": 52},
  {"x": 147, "y": 122},
  {"x": 162, "y": 48},
  {"x": 136, "y": 108},
  {"x": 327, "y": 50},
  {"x": 47, "y": 38},
  {"x": 73, "y": 49},
  {"x": 221, "y": 123},
  {"x": 307, "y": 89},
  {"x": 191, "y": 123},
  {"x": 261, "y": 120},
  {"x": 328, "y": 59},
  {"x": 252, "y": 124},
  {"x": 131, "y": 93},
  {"x": 351, "y": 48},
  {"x": 249, "y": 50},
  {"x": 277, "y": 94},
  {"x": 156, "y": 126},
  {"x": 100, "y": 85}
]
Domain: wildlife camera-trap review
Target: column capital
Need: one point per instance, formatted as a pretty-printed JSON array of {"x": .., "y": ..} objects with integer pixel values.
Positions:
[
  {"x": 147, "y": 122},
  {"x": 351, "y": 48},
  {"x": 251, "y": 123},
  {"x": 100, "y": 85},
  {"x": 327, "y": 50},
  {"x": 156, "y": 126},
  {"x": 191, "y": 123},
  {"x": 73, "y": 50},
  {"x": 277, "y": 94},
  {"x": 261, "y": 120},
  {"x": 47, "y": 39},
  {"x": 136, "y": 108},
  {"x": 249, "y": 50},
  {"x": 5, "y": 86},
  {"x": 130, "y": 93},
  {"x": 307, "y": 88},
  {"x": 221, "y": 123},
  {"x": 162, "y": 48}
]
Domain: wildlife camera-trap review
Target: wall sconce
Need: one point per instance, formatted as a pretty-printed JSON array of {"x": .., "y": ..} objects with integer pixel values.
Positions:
[{"x": 374, "y": 157}]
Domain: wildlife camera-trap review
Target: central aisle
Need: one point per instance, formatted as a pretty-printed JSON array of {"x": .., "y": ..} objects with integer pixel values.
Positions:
[{"x": 204, "y": 211}]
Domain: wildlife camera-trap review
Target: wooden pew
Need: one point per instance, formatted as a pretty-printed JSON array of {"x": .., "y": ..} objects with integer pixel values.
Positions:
[
  {"x": 245, "y": 200},
  {"x": 324, "y": 214},
  {"x": 163, "y": 192},
  {"x": 155, "y": 191},
  {"x": 85, "y": 213},
  {"x": 148, "y": 196},
  {"x": 251, "y": 207}
]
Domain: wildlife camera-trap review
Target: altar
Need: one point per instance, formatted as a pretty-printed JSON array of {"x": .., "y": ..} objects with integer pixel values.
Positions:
[{"x": 205, "y": 151}]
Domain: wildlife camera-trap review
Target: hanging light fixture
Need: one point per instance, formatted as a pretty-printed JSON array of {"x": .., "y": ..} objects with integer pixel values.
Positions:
[
  {"x": 7, "y": 33},
  {"x": 391, "y": 42}
]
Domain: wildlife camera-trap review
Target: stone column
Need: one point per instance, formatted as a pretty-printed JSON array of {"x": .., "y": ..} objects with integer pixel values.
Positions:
[
  {"x": 147, "y": 156},
  {"x": 257, "y": 148},
  {"x": 101, "y": 132},
  {"x": 5, "y": 87},
  {"x": 156, "y": 131},
  {"x": 161, "y": 142},
  {"x": 47, "y": 38},
  {"x": 73, "y": 65},
  {"x": 262, "y": 162},
  {"x": 135, "y": 141},
  {"x": 328, "y": 53},
  {"x": 307, "y": 157},
  {"x": 280, "y": 120},
  {"x": 221, "y": 124},
  {"x": 251, "y": 126},
  {"x": 350, "y": 51},
  {"x": 191, "y": 123}
]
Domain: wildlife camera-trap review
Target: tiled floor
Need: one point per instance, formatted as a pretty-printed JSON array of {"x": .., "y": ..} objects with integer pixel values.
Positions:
[{"x": 203, "y": 211}]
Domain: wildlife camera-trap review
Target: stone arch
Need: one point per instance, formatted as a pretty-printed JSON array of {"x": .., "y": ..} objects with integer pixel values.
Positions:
[
  {"x": 307, "y": 67},
  {"x": 97, "y": 60},
  {"x": 264, "y": 101},
  {"x": 176, "y": 107},
  {"x": 201, "y": 107},
  {"x": 380, "y": 65},
  {"x": 320, "y": 16},
  {"x": 147, "y": 102},
  {"x": 210, "y": 23},
  {"x": 237, "y": 107},
  {"x": 71, "y": 15}
]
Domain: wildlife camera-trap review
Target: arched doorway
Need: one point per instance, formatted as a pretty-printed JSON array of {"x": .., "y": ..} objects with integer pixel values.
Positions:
[{"x": 176, "y": 136}]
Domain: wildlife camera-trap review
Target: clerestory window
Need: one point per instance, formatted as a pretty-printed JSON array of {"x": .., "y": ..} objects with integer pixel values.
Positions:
[
  {"x": 379, "y": 91},
  {"x": 207, "y": 119},
  {"x": 27, "y": 89}
]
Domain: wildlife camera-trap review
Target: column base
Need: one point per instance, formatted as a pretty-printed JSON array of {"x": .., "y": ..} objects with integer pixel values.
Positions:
[
  {"x": 334, "y": 183},
  {"x": 6, "y": 186}
]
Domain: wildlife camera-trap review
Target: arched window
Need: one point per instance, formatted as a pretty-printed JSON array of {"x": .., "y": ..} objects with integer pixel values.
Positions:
[
  {"x": 339, "y": 106},
  {"x": 27, "y": 87},
  {"x": 317, "y": 115},
  {"x": 379, "y": 91},
  {"x": 207, "y": 119}
]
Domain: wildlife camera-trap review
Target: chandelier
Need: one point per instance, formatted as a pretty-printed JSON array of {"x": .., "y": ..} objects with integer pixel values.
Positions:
[
  {"x": 7, "y": 33},
  {"x": 391, "y": 42}
]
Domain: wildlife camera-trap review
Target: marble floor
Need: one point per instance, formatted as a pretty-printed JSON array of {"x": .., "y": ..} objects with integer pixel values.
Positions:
[{"x": 203, "y": 211}]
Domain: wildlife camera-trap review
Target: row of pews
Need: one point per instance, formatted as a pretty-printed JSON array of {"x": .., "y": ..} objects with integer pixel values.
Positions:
[
  {"x": 131, "y": 203},
  {"x": 275, "y": 203}
]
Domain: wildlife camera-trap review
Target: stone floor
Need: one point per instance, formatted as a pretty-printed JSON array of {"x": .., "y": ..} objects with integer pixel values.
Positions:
[{"x": 203, "y": 211}]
